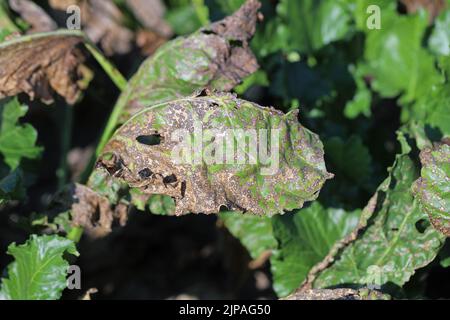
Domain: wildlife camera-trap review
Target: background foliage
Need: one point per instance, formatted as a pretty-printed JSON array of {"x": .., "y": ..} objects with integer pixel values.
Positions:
[{"x": 379, "y": 99}]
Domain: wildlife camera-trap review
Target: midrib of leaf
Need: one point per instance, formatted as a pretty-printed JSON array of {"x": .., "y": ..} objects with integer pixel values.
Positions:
[
  {"x": 354, "y": 264},
  {"x": 395, "y": 239},
  {"x": 32, "y": 279}
]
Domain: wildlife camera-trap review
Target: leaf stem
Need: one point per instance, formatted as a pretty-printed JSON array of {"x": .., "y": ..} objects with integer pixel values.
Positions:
[
  {"x": 114, "y": 74},
  {"x": 75, "y": 234},
  {"x": 66, "y": 137}
]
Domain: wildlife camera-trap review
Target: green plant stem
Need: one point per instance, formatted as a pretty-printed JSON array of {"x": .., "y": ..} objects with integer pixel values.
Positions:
[
  {"x": 66, "y": 137},
  {"x": 114, "y": 74},
  {"x": 75, "y": 234}
]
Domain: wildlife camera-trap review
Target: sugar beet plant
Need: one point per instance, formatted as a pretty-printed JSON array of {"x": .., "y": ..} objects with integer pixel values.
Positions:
[{"x": 343, "y": 183}]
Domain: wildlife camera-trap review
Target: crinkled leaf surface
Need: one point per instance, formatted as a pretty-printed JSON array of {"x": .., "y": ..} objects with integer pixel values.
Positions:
[
  {"x": 17, "y": 140},
  {"x": 394, "y": 240},
  {"x": 216, "y": 56},
  {"x": 255, "y": 233},
  {"x": 304, "y": 238},
  {"x": 432, "y": 189},
  {"x": 40, "y": 64},
  {"x": 39, "y": 270},
  {"x": 142, "y": 153}
]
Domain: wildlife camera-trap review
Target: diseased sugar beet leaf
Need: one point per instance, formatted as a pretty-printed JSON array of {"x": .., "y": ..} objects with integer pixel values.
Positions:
[
  {"x": 217, "y": 56},
  {"x": 304, "y": 238},
  {"x": 39, "y": 270},
  {"x": 432, "y": 189},
  {"x": 393, "y": 238},
  {"x": 217, "y": 150}
]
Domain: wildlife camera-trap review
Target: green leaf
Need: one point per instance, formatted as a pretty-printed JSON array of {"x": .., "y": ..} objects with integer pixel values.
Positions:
[
  {"x": 188, "y": 17},
  {"x": 254, "y": 232},
  {"x": 313, "y": 24},
  {"x": 439, "y": 41},
  {"x": 304, "y": 238},
  {"x": 257, "y": 78},
  {"x": 350, "y": 158},
  {"x": 17, "y": 141},
  {"x": 39, "y": 270},
  {"x": 161, "y": 204},
  {"x": 445, "y": 262},
  {"x": 393, "y": 239},
  {"x": 6, "y": 25},
  {"x": 432, "y": 189},
  {"x": 399, "y": 43},
  {"x": 444, "y": 255},
  {"x": 432, "y": 108},
  {"x": 199, "y": 182},
  {"x": 359, "y": 10},
  {"x": 361, "y": 102}
]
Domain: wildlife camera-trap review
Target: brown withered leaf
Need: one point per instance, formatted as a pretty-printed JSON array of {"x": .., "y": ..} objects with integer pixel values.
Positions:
[
  {"x": 34, "y": 15},
  {"x": 150, "y": 14},
  {"x": 148, "y": 41},
  {"x": 434, "y": 7},
  {"x": 38, "y": 65},
  {"x": 103, "y": 23},
  {"x": 90, "y": 210},
  {"x": 141, "y": 154}
]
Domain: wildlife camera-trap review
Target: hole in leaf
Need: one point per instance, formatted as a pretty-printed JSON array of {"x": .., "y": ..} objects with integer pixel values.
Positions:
[
  {"x": 170, "y": 179},
  {"x": 236, "y": 43},
  {"x": 422, "y": 225},
  {"x": 145, "y": 173},
  {"x": 183, "y": 188},
  {"x": 149, "y": 140},
  {"x": 95, "y": 217}
]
